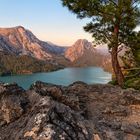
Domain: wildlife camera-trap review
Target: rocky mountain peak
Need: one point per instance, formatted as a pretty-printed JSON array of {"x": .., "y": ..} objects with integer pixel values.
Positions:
[
  {"x": 80, "y": 47},
  {"x": 6, "y": 31},
  {"x": 82, "y": 43},
  {"x": 20, "y": 41},
  {"x": 20, "y": 27}
]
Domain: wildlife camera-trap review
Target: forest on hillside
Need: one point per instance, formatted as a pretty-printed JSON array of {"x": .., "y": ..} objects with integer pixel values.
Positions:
[{"x": 12, "y": 64}]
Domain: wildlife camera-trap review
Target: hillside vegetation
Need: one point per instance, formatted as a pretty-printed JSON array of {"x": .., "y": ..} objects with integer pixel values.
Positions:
[{"x": 12, "y": 64}]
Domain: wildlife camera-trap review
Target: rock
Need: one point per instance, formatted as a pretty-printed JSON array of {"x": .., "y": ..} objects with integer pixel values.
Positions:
[
  {"x": 76, "y": 112},
  {"x": 79, "y": 48},
  {"x": 54, "y": 120},
  {"x": 12, "y": 102},
  {"x": 84, "y": 53},
  {"x": 96, "y": 137},
  {"x": 48, "y": 116},
  {"x": 20, "y": 41},
  {"x": 57, "y": 93}
]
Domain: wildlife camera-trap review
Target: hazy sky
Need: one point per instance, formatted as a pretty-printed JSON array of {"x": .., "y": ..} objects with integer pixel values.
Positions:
[{"x": 47, "y": 19}]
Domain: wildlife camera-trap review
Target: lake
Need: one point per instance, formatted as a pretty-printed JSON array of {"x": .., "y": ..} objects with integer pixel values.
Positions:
[{"x": 89, "y": 75}]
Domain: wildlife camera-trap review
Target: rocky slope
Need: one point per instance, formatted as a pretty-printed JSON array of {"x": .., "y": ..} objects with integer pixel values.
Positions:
[
  {"x": 76, "y": 112},
  {"x": 20, "y": 41},
  {"x": 84, "y": 53},
  {"x": 80, "y": 47}
]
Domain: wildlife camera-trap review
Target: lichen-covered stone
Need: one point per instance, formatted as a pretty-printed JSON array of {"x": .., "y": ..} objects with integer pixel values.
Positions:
[{"x": 76, "y": 112}]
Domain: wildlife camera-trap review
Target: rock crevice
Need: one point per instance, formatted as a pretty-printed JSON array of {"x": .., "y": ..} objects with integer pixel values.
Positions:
[{"x": 76, "y": 112}]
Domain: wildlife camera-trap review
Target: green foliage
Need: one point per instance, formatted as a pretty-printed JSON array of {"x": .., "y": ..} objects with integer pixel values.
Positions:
[
  {"x": 133, "y": 83},
  {"x": 133, "y": 75},
  {"x": 134, "y": 44},
  {"x": 113, "y": 82},
  {"x": 11, "y": 64},
  {"x": 129, "y": 83},
  {"x": 131, "y": 58},
  {"x": 105, "y": 15}
]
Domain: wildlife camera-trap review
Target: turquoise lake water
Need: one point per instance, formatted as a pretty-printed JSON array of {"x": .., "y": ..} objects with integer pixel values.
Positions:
[{"x": 89, "y": 75}]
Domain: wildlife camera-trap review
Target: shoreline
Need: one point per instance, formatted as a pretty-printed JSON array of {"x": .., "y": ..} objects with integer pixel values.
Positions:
[{"x": 54, "y": 71}]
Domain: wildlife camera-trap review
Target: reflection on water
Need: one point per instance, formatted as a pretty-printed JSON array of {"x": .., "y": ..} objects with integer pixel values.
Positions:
[{"x": 89, "y": 75}]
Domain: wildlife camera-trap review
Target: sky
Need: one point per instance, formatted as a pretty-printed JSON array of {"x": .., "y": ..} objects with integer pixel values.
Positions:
[{"x": 47, "y": 19}]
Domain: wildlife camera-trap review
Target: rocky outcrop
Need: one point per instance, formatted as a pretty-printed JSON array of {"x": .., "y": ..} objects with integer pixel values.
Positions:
[
  {"x": 76, "y": 112},
  {"x": 40, "y": 114},
  {"x": 12, "y": 103}
]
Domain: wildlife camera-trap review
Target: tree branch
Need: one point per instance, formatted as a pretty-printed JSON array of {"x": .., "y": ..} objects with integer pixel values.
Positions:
[
  {"x": 102, "y": 12},
  {"x": 114, "y": 3},
  {"x": 120, "y": 49}
]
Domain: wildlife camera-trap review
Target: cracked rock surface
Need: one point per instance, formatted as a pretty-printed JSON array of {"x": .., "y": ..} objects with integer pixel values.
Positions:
[{"x": 76, "y": 112}]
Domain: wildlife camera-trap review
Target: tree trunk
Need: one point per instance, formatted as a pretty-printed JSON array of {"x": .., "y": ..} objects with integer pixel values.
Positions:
[
  {"x": 114, "y": 55},
  {"x": 116, "y": 66}
]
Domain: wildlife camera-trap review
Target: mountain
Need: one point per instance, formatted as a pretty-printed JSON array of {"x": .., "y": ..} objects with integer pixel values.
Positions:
[
  {"x": 20, "y": 41},
  {"x": 21, "y": 52},
  {"x": 84, "y": 53},
  {"x": 20, "y": 44},
  {"x": 78, "y": 49}
]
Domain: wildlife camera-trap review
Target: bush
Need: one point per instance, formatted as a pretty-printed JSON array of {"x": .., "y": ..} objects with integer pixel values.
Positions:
[
  {"x": 133, "y": 83},
  {"x": 113, "y": 82}
]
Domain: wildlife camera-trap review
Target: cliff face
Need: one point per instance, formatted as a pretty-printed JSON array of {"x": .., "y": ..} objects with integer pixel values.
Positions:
[
  {"x": 20, "y": 41},
  {"x": 83, "y": 53},
  {"x": 79, "y": 111},
  {"x": 77, "y": 50}
]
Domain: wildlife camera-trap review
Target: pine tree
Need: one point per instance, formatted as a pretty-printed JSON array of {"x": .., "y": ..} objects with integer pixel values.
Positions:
[
  {"x": 111, "y": 22},
  {"x": 134, "y": 44}
]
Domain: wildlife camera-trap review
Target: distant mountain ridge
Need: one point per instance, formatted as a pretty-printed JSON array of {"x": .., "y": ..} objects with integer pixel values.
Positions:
[{"x": 19, "y": 41}]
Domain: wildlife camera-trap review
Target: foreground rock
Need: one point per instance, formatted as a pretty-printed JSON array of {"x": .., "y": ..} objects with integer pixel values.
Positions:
[
  {"x": 76, "y": 112},
  {"x": 39, "y": 115}
]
